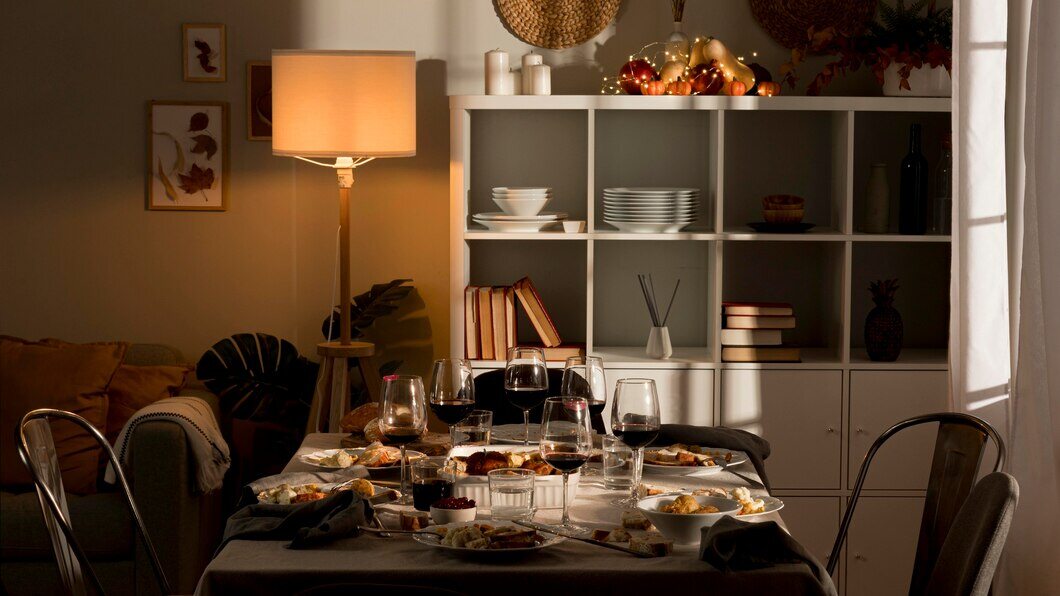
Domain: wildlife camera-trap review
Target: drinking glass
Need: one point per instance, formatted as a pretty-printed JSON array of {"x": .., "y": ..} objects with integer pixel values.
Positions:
[
  {"x": 430, "y": 483},
  {"x": 617, "y": 464},
  {"x": 566, "y": 441},
  {"x": 511, "y": 493},
  {"x": 474, "y": 429},
  {"x": 583, "y": 376},
  {"x": 403, "y": 418},
  {"x": 452, "y": 392},
  {"x": 635, "y": 420},
  {"x": 526, "y": 382}
]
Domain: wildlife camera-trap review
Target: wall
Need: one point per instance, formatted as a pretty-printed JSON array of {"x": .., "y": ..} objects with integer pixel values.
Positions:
[{"x": 80, "y": 258}]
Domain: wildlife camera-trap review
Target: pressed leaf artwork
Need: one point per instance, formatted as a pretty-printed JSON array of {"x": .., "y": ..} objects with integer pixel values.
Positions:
[
  {"x": 204, "y": 144},
  {"x": 204, "y": 56},
  {"x": 196, "y": 180},
  {"x": 188, "y": 157},
  {"x": 171, "y": 193},
  {"x": 199, "y": 121}
]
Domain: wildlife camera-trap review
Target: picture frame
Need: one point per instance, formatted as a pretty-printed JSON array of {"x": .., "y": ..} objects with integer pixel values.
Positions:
[
  {"x": 205, "y": 52},
  {"x": 187, "y": 156},
  {"x": 259, "y": 100}
]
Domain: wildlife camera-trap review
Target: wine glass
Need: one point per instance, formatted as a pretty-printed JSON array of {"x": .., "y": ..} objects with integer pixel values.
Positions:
[
  {"x": 635, "y": 420},
  {"x": 526, "y": 382},
  {"x": 583, "y": 376},
  {"x": 452, "y": 392},
  {"x": 403, "y": 418},
  {"x": 566, "y": 441}
]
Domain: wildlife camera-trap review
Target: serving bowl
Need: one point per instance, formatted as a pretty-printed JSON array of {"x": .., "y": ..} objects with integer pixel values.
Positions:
[
  {"x": 451, "y": 516},
  {"x": 684, "y": 528},
  {"x": 548, "y": 490},
  {"x": 527, "y": 207}
]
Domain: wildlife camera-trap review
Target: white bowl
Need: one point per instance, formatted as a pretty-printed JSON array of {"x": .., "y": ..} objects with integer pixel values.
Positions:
[
  {"x": 522, "y": 207},
  {"x": 449, "y": 516},
  {"x": 684, "y": 528},
  {"x": 521, "y": 190}
]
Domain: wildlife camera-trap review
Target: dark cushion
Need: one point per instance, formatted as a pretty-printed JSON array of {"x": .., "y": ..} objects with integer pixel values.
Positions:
[{"x": 101, "y": 523}]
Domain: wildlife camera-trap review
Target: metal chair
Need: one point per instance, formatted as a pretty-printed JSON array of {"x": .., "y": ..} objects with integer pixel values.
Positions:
[
  {"x": 959, "y": 447},
  {"x": 36, "y": 449}
]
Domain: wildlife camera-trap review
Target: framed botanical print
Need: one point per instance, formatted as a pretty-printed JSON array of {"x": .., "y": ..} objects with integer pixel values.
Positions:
[
  {"x": 259, "y": 101},
  {"x": 187, "y": 156},
  {"x": 204, "y": 52}
]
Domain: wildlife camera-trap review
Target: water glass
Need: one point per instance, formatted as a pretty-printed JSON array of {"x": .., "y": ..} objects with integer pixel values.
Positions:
[
  {"x": 475, "y": 429},
  {"x": 618, "y": 464},
  {"x": 511, "y": 493}
]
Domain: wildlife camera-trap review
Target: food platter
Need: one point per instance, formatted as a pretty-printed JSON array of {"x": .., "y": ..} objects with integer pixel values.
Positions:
[
  {"x": 314, "y": 459},
  {"x": 677, "y": 469},
  {"x": 436, "y": 540}
]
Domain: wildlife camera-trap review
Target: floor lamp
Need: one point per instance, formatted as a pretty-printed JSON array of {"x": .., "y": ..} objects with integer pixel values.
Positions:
[{"x": 352, "y": 106}]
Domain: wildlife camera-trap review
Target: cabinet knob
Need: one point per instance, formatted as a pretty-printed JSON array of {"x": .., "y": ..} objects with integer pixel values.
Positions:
[
  {"x": 859, "y": 430},
  {"x": 859, "y": 556},
  {"x": 830, "y": 430}
]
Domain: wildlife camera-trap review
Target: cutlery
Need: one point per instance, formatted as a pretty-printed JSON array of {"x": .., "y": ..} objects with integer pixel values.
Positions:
[
  {"x": 544, "y": 528},
  {"x": 387, "y": 533}
]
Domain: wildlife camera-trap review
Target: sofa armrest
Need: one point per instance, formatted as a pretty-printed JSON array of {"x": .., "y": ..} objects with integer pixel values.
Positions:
[
  {"x": 197, "y": 389},
  {"x": 184, "y": 526}
]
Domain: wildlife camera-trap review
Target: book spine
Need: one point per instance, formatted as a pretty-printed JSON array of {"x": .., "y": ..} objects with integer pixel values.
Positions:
[{"x": 471, "y": 323}]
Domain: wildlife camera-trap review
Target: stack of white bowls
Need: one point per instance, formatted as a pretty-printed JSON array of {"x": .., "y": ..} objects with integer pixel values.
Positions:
[
  {"x": 651, "y": 210},
  {"x": 521, "y": 210}
]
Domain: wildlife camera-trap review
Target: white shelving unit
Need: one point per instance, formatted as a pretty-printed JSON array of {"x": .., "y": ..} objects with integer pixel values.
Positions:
[{"x": 735, "y": 149}]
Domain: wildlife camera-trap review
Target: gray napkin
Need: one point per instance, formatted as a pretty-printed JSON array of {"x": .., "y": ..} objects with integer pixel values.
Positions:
[
  {"x": 306, "y": 524},
  {"x": 736, "y": 545},
  {"x": 249, "y": 494},
  {"x": 756, "y": 447}
]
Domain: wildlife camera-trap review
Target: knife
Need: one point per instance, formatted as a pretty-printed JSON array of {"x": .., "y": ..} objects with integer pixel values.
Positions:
[{"x": 543, "y": 528}]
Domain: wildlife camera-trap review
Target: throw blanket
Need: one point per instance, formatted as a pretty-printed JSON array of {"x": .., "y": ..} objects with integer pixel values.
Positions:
[
  {"x": 208, "y": 447},
  {"x": 305, "y": 525},
  {"x": 736, "y": 545},
  {"x": 756, "y": 447},
  {"x": 249, "y": 494}
]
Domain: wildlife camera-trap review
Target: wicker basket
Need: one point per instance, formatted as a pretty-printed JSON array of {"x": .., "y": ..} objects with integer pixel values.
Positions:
[
  {"x": 557, "y": 24},
  {"x": 788, "y": 21}
]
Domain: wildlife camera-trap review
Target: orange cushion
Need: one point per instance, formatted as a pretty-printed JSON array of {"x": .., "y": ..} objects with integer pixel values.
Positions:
[
  {"x": 134, "y": 387},
  {"x": 57, "y": 375}
]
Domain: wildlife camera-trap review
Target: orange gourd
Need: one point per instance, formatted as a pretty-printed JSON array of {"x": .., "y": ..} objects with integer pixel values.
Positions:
[
  {"x": 652, "y": 88},
  {"x": 679, "y": 87},
  {"x": 738, "y": 88}
]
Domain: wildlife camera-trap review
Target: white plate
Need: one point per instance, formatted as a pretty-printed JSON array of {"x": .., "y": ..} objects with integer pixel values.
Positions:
[
  {"x": 647, "y": 228},
  {"x": 650, "y": 190},
  {"x": 312, "y": 459},
  {"x": 648, "y": 220},
  {"x": 647, "y": 209},
  {"x": 512, "y": 434},
  {"x": 737, "y": 459},
  {"x": 650, "y": 198},
  {"x": 550, "y": 540},
  {"x": 516, "y": 226},
  {"x": 518, "y": 190},
  {"x": 547, "y": 216},
  {"x": 772, "y": 504}
]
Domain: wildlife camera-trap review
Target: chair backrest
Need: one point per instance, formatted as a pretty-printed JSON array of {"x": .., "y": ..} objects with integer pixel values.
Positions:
[
  {"x": 959, "y": 447},
  {"x": 969, "y": 556},
  {"x": 489, "y": 395},
  {"x": 36, "y": 449}
]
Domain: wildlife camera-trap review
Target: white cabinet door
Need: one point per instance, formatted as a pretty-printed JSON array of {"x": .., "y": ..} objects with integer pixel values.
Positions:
[
  {"x": 799, "y": 412},
  {"x": 814, "y": 522},
  {"x": 881, "y": 545},
  {"x": 685, "y": 396},
  {"x": 879, "y": 399}
]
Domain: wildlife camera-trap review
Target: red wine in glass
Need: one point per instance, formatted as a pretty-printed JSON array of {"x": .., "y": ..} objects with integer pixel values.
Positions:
[
  {"x": 428, "y": 491},
  {"x": 526, "y": 398},
  {"x": 566, "y": 462},
  {"x": 596, "y": 408},
  {"x": 401, "y": 436},
  {"x": 451, "y": 412},
  {"x": 636, "y": 435}
]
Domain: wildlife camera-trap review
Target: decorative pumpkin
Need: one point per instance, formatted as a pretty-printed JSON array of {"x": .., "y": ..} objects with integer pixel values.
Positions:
[
  {"x": 768, "y": 89},
  {"x": 734, "y": 69},
  {"x": 673, "y": 70},
  {"x": 652, "y": 88},
  {"x": 737, "y": 88},
  {"x": 633, "y": 73},
  {"x": 707, "y": 79},
  {"x": 679, "y": 87}
]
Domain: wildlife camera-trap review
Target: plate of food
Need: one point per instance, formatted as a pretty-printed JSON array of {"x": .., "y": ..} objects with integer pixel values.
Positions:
[
  {"x": 375, "y": 456},
  {"x": 750, "y": 506},
  {"x": 681, "y": 459},
  {"x": 287, "y": 494},
  {"x": 486, "y": 539}
]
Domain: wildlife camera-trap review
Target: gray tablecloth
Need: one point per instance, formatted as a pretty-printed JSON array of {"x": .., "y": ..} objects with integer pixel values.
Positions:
[{"x": 262, "y": 567}]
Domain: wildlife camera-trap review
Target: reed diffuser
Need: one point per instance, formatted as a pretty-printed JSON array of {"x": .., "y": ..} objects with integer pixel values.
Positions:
[{"x": 659, "y": 337}]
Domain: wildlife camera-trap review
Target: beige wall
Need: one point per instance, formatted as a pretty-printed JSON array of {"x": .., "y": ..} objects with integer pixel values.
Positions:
[{"x": 80, "y": 258}]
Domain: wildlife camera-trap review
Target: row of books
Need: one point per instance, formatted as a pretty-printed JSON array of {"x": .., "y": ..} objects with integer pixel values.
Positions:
[
  {"x": 490, "y": 322},
  {"x": 752, "y": 332}
]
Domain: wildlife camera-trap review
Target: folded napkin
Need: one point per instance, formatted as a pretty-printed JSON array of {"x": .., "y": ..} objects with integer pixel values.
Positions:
[
  {"x": 756, "y": 447},
  {"x": 306, "y": 524},
  {"x": 249, "y": 494},
  {"x": 736, "y": 545}
]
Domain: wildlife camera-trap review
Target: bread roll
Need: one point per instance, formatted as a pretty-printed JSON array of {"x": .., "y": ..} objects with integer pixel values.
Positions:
[
  {"x": 355, "y": 420},
  {"x": 653, "y": 545}
]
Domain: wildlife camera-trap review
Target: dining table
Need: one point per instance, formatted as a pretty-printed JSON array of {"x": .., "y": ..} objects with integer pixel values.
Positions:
[{"x": 269, "y": 567}]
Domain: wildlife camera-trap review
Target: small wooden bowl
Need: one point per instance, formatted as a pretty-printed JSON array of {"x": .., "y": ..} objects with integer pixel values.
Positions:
[
  {"x": 783, "y": 215},
  {"x": 782, "y": 202}
]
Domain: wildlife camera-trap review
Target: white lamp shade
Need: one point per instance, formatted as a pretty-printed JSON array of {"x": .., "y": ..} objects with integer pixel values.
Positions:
[{"x": 336, "y": 103}]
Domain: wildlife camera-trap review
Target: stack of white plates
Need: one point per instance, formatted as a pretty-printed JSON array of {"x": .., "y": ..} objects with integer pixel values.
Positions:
[
  {"x": 502, "y": 222},
  {"x": 657, "y": 209}
]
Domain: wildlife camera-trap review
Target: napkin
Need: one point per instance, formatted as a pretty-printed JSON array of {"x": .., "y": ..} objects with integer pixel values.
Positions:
[
  {"x": 756, "y": 447},
  {"x": 249, "y": 494},
  {"x": 306, "y": 524},
  {"x": 735, "y": 545}
]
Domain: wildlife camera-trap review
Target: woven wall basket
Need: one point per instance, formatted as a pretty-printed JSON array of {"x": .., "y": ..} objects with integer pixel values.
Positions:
[
  {"x": 787, "y": 21},
  {"x": 557, "y": 24}
]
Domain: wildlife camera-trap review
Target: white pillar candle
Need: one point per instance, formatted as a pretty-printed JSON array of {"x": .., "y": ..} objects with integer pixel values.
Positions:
[
  {"x": 511, "y": 80},
  {"x": 540, "y": 80},
  {"x": 496, "y": 72},
  {"x": 529, "y": 61}
]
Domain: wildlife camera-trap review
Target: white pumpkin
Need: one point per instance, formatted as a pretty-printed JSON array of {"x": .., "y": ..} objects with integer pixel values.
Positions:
[{"x": 672, "y": 70}]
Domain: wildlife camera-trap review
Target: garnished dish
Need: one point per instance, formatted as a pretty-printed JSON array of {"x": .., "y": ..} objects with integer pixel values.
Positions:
[
  {"x": 692, "y": 456},
  {"x": 286, "y": 494},
  {"x": 453, "y": 509},
  {"x": 749, "y": 505},
  {"x": 681, "y": 517},
  {"x": 482, "y": 462},
  {"x": 374, "y": 456},
  {"x": 478, "y": 537},
  {"x": 688, "y": 505}
]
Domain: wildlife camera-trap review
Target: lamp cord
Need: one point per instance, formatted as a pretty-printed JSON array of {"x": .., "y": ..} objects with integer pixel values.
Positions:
[{"x": 334, "y": 283}]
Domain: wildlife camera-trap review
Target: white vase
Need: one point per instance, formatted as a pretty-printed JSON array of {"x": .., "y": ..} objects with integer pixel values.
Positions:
[
  {"x": 678, "y": 45},
  {"x": 877, "y": 201},
  {"x": 659, "y": 343},
  {"x": 923, "y": 82}
]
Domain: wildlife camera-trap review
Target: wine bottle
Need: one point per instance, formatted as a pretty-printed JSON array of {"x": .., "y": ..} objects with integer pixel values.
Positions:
[
  {"x": 942, "y": 216},
  {"x": 913, "y": 194}
]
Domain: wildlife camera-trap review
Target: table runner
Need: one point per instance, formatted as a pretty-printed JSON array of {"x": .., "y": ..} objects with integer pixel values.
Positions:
[{"x": 262, "y": 567}]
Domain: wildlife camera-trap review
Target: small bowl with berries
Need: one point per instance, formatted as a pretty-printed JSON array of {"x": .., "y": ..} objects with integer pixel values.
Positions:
[{"x": 453, "y": 509}]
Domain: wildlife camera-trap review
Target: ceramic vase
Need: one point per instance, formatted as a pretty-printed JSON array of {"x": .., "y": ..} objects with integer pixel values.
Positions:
[
  {"x": 877, "y": 201},
  {"x": 659, "y": 343}
]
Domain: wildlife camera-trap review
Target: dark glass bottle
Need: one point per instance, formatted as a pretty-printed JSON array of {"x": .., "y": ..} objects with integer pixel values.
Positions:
[{"x": 913, "y": 196}]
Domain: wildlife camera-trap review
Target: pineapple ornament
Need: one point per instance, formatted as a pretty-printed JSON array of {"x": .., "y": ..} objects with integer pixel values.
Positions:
[{"x": 883, "y": 326}]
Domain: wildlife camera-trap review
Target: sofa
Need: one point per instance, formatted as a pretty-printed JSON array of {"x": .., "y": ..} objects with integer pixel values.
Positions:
[{"x": 184, "y": 526}]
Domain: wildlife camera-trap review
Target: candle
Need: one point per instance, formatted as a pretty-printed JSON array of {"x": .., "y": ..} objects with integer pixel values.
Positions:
[
  {"x": 541, "y": 80},
  {"x": 510, "y": 79},
  {"x": 529, "y": 61},
  {"x": 497, "y": 72}
]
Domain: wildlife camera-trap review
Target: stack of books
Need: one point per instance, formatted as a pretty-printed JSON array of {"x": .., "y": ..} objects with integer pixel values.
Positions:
[
  {"x": 752, "y": 332},
  {"x": 490, "y": 322}
]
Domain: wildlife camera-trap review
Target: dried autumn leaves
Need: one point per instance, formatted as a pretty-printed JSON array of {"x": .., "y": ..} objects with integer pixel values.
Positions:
[
  {"x": 205, "y": 56},
  {"x": 196, "y": 179}
]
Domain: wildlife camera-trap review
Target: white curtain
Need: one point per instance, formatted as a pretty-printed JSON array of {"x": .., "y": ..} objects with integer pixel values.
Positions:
[{"x": 1007, "y": 226}]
